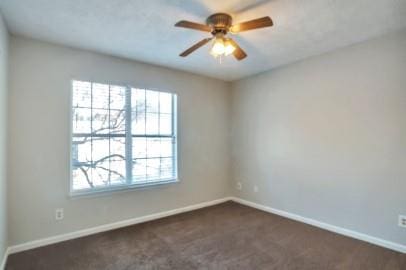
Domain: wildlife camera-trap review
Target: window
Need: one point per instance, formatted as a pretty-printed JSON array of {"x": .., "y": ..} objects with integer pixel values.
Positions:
[{"x": 121, "y": 137}]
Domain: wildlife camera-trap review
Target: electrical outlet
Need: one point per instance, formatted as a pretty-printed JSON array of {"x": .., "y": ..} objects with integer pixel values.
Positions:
[
  {"x": 59, "y": 214},
  {"x": 238, "y": 186},
  {"x": 402, "y": 221},
  {"x": 255, "y": 189}
]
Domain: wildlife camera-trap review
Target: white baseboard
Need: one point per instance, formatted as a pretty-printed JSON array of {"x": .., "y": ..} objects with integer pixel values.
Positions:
[
  {"x": 111, "y": 226},
  {"x": 133, "y": 221},
  {"x": 4, "y": 259},
  {"x": 326, "y": 226}
]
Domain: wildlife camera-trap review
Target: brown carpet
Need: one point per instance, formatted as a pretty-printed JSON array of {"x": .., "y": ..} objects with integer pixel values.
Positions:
[{"x": 225, "y": 236}]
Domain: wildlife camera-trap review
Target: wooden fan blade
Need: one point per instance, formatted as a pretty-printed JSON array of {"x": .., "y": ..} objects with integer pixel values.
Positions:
[
  {"x": 195, "y": 47},
  {"x": 193, "y": 25},
  {"x": 238, "y": 52},
  {"x": 253, "y": 24}
]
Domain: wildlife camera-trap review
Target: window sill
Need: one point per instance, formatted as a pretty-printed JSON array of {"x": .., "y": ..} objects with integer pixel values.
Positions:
[{"x": 116, "y": 189}]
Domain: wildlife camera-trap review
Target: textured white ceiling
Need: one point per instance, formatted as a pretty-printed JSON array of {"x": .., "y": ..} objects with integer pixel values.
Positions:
[{"x": 143, "y": 29}]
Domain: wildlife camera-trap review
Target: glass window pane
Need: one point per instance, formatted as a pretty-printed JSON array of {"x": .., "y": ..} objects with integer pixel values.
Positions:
[
  {"x": 165, "y": 124},
  {"x": 108, "y": 161},
  {"x": 117, "y": 121},
  {"x": 100, "y": 96},
  {"x": 139, "y": 170},
  {"x": 100, "y": 175},
  {"x": 81, "y": 96},
  {"x": 139, "y": 147},
  {"x": 117, "y": 149},
  {"x": 81, "y": 178},
  {"x": 165, "y": 103},
  {"x": 153, "y": 166},
  {"x": 152, "y": 124},
  {"x": 117, "y": 161},
  {"x": 100, "y": 149},
  {"x": 138, "y": 100},
  {"x": 166, "y": 170},
  {"x": 166, "y": 147},
  {"x": 117, "y": 97},
  {"x": 81, "y": 163},
  {"x": 152, "y": 101},
  {"x": 81, "y": 151},
  {"x": 117, "y": 172},
  {"x": 100, "y": 121},
  {"x": 138, "y": 123},
  {"x": 153, "y": 147},
  {"x": 81, "y": 120}
]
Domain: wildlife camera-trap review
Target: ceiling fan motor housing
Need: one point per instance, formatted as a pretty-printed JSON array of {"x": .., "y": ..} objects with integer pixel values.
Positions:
[{"x": 220, "y": 22}]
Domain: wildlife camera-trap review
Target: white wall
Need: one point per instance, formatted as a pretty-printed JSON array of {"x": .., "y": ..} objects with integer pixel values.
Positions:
[
  {"x": 40, "y": 75},
  {"x": 325, "y": 138},
  {"x": 3, "y": 135}
]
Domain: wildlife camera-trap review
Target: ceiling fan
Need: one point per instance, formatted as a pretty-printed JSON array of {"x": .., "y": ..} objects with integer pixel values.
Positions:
[{"x": 219, "y": 24}]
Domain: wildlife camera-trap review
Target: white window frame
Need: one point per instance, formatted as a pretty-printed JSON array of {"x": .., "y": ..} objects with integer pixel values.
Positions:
[{"x": 129, "y": 185}]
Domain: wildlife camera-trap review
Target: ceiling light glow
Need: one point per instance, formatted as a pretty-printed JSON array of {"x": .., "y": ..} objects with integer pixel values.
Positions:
[{"x": 221, "y": 46}]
